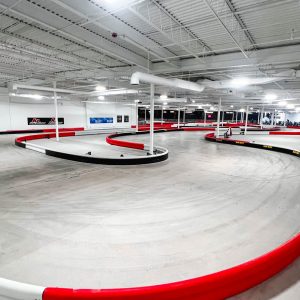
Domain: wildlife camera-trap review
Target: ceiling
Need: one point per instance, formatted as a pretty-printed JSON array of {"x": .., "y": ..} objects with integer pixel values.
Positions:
[{"x": 82, "y": 43}]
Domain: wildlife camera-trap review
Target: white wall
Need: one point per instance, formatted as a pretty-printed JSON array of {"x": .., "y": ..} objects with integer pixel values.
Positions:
[
  {"x": 111, "y": 110},
  {"x": 15, "y": 111}
]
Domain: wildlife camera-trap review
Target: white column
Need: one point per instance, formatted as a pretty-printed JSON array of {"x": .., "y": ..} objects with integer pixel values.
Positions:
[
  {"x": 223, "y": 117},
  {"x": 86, "y": 116},
  {"x": 219, "y": 115},
  {"x": 151, "y": 118},
  {"x": 261, "y": 116},
  {"x": 137, "y": 117},
  {"x": 236, "y": 116},
  {"x": 145, "y": 115},
  {"x": 246, "y": 121},
  {"x": 205, "y": 117},
  {"x": 56, "y": 113},
  {"x": 232, "y": 117},
  {"x": 272, "y": 118},
  {"x": 162, "y": 115},
  {"x": 184, "y": 115},
  {"x": 178, "y": 121},
  {"x": 275, "y": 115}
]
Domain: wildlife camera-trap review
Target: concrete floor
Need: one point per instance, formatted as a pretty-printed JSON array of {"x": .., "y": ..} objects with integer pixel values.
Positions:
[{"x": 209, "y": 207}]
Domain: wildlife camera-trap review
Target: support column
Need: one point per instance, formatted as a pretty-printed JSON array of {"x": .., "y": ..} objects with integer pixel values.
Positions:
[
  {"x": 145, "y": 115},
  {"x": 178, "y": 121},
  {"x": 86, "y": 116},
  {"x": 162, "y": 115},
  {"x": 137, "y": 116},
  {"x": 56, "y": 113},
  {"x": 184, "y": 115},
  {"x": 246, "y": 121},
  {"x": 232, "y": 117},
  {"x": 204, "y": 116},
  {"x": 151, "y": 118},
  {"x": 272, "y": 118},
  {"x": 222, "y": 118},
  {"x": 219, "y": 115},
  {"x": 236, "y": 116}
]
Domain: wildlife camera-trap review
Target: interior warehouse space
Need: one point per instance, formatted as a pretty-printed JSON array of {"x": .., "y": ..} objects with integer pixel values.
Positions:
[{"x": 149, "y": 149}]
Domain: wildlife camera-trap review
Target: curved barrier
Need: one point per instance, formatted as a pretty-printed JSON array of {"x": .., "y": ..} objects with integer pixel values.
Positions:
[
  {"x": 285, "y": 133},
  {"x": 161, "y": 153},
  {"x": 216, "y": 286},
  {"x": 211, "y": 137}
]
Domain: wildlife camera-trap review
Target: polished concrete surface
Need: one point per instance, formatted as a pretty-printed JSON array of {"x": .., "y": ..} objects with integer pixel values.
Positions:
[{"x": 209, "y": 207}]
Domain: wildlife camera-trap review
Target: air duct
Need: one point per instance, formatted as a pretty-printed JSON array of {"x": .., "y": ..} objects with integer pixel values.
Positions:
[{"x": 176, "y": 83}]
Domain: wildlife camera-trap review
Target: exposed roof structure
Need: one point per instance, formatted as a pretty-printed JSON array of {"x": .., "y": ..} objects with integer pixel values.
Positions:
[{"x": 82, "y": 42}]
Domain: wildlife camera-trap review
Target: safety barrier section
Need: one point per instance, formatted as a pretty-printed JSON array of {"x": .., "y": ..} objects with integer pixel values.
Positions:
[
  {"x": 215, "y": 286},
  {"x": 211, "y": 137},
  {"x": 120, "y": 143},
  {"x": 284, "y": 132},
  {"x": 161, "y": 153},
  {"x": 41, "y": 130}
]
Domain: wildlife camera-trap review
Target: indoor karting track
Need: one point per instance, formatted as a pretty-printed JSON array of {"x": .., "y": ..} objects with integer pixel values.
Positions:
[{"x": 79, "y": 225}]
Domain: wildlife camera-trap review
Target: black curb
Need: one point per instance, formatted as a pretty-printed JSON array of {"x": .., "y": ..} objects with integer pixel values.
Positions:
[
  {"x": 254, "y": 145},
  {"x": 108, "y": 161}
]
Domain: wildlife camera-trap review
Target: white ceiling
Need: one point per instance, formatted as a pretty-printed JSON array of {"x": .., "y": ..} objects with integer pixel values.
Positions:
[{"x": 71, "y": 42}]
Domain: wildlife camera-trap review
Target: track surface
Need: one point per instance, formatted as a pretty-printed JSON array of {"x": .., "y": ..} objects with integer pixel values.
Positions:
[{"x": 207, "y": 208}]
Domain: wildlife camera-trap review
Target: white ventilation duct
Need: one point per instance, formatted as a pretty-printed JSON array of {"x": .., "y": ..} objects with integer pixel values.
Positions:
[{"x": 176, "y": 83}]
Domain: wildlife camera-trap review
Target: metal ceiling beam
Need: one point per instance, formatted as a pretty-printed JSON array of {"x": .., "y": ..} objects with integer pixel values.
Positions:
[
  {"x": 38, "y": 15},
  {"x": 145, "y": 16},
  {"x": 261, "y": 57},
  {"x": 216, "y": 7},
  {"x": 189, "y": 32},
  {"x": 128, "y": 36},
  {"x": 241, "y": 22}
]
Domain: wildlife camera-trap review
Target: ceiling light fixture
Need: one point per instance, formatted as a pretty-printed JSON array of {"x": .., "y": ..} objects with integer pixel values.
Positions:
[
  {"x": 282, "y": 103},
  {"x": 163, "y": 97},
  {"x": 101, "y": 98},
  {"x": 240, "y": 82},
  {"x": 290, "y": 106},
  {"x": 100, "y": 88},
  {"x": 270, "y": 97}
]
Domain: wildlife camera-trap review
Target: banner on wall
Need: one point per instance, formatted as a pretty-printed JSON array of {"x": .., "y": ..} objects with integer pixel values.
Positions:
[
  {"x": 101, "y": 120},
  {"x": 45, "y": 121}
]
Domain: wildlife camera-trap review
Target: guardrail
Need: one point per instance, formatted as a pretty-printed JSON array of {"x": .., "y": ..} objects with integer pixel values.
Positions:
[{"x": 160, "y": 154}]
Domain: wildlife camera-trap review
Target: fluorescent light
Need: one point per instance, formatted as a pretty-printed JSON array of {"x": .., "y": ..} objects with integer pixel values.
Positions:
[
  {"x": 100, "y": 88},
  {"x": 242, "y": 110},
  {"x": 136, "y": 101},
  {"x": 34, "y": 96},
  {"x": 290, "y": 106},
  {"x": 163, "y": 97},
  {"x": 165, "y": 103},
  {"x": 211, "y": 108},
  {"x": 101, "y": 98},
  {"x": 118, "y": 92},
  {"x": 282, "y": 103},
  {"x": 231, "y": 106},
  {"x": 240, "y": 82},
  {"x": 270, "y": 97},
  {"x": 193, "y": 101}
]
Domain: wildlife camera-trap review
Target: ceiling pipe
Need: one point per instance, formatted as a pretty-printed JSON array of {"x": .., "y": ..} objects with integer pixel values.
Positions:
[{"x": 138, "y": 77}]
